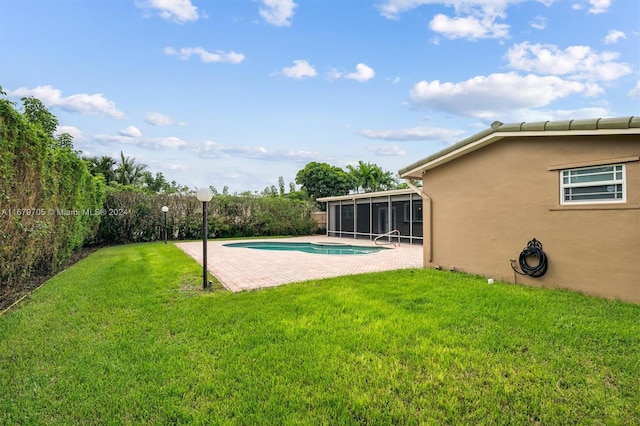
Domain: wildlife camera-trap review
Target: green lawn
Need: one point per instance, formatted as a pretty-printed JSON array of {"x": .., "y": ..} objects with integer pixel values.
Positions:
[{"x": 126, "y": 336}]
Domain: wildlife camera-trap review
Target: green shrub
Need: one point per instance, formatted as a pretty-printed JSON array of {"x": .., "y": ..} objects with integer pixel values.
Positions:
[
  {"x": 134, "y": 215},
  {"x": 47, "y": 200}
]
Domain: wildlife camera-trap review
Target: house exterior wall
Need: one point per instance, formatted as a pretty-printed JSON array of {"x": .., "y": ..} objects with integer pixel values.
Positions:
[{"x": 486, "y": 206}]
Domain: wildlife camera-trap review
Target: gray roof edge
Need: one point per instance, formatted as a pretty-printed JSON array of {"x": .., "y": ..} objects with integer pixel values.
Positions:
[
  {"x": 457, "y": 145},
  {"x": 594, "y": 124}
]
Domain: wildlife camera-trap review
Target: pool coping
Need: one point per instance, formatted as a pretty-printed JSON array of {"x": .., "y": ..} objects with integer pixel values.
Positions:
[
  {"x": 242, "y": 269},
  {"x": 278, "y": 245}
]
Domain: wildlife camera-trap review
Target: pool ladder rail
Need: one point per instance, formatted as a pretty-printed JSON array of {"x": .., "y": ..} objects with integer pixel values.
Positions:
[{"x": 389, "y": 235}]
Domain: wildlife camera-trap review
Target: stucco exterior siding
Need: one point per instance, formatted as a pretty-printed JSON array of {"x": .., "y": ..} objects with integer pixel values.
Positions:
[{"x": 487, "y": 204}]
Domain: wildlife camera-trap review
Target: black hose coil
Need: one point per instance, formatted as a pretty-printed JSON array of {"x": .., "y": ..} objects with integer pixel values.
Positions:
[{"x": 533, "y": 249}]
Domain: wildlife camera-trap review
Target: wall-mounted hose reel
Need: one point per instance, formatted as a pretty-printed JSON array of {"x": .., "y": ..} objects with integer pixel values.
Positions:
[{"x": 532, "y": 250}]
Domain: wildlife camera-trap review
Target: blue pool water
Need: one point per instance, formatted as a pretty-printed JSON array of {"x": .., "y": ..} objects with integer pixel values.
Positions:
[{"x": 316, "y": 248}]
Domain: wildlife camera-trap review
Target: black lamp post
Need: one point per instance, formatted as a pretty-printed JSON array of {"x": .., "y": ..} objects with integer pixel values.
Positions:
[
  {"x": 204, "y": 195},
  {"x": 165, "y": 209}
]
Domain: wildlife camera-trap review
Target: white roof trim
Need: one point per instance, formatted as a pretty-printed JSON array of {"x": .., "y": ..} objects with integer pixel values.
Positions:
[{"x": 360, "y": 195}]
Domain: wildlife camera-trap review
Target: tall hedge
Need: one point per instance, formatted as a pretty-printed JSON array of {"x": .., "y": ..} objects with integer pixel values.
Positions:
[
  {"x": 50, "y": 205},
  {"x": 136, "y": 216},
  {"x": 48, "y": 200}
]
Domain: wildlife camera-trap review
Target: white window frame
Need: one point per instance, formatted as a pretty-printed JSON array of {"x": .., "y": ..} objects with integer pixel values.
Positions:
[{"x": 616, "y": 168}]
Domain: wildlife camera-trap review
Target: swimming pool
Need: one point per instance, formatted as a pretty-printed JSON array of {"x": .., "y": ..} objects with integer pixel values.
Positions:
[{"x": 315, "y": 248}]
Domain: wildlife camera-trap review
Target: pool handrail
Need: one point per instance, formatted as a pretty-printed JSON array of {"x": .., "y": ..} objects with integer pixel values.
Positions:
[{"x": 388, "y": 234}]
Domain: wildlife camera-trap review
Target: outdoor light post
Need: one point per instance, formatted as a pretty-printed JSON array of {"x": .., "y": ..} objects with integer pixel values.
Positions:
[
  {"x": 204, "y": 194},
  {"x": 165, "y": 209}
]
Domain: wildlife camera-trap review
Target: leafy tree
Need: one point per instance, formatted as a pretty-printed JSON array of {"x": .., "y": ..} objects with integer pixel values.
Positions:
[
  {"x": 414, "y": 182},
  {"x": 155, "y": 184},
  {"x": 269, "y": 191},
  {"x": 281, "y": 185},
  {"x": 175, "y": 188},
  {"x": 104, "y": 166},
  {"x": 36, "y": 113},
  {"x": 65, "y": 140},
  {"x": 371, "y": 177},
  {"x": 323, "y": 180},
  {"x": 137, "y": 175},
  {"x": 128, "y": 172}
]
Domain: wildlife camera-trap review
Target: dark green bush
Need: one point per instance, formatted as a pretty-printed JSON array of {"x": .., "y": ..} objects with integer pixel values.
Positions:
[
  {"x": 136, "y": 216},
  {"x": 47, "y": 200}
]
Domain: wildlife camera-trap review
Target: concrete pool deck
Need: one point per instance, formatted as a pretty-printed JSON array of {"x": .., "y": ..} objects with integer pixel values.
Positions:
[{"x": 239, "y": 268}]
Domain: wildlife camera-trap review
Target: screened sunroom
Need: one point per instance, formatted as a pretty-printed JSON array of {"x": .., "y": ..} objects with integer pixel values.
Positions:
[{"x": 370, "y": 215}]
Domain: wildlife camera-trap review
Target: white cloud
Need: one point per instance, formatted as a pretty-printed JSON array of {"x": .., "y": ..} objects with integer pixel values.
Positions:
[
  {"x": 613, "y": 36},
  {"x": 278, "y": 12},
  {"x": 167, "y": 142},
  {"x": 538, "y": 23},
  {"x": 131, "y": 131},
  {"x": 362, "y": 73},
  {"x": 178, "y": 166},
  {"x": 387, "y": 150},
  {"x": 496, "y": 94},
  {"x": 207, "y": 57},
  {"x": 119, "y": 139},
  {"x": 577, "y": 114},
  {"x": 159, "y": 119},
  {"x": 469, "y": 27},
  {"x": 474, "y": 19},
  {"x": 391, "y": 9},
  {"x": 533, "y": 115},
  {"x": 73, "y": 131},
  {"x": 299, "y": 70},
  {"x": 635, "y": 92},
  {"x": 179, "y": 11},
  {"x": 577, "y": 62},
  {"x": 599, "y": 6},
  {"x": 148, "y": 143},
  {"x": 95, "y": 104},
  {"x": 299, "y": 156},
  {"x": 212, "y": 149},
  {"x": 413, "y": 134}
]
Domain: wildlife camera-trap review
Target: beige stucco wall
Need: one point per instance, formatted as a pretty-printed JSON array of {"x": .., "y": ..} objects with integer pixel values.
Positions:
[{"x": 488, "y": 204}]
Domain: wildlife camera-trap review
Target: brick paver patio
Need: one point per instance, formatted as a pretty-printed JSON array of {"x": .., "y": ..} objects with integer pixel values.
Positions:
[{"x": 241, "y": 269}]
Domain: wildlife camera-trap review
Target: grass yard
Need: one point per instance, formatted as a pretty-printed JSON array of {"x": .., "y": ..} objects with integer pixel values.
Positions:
[{"x": 126, "y": 336}]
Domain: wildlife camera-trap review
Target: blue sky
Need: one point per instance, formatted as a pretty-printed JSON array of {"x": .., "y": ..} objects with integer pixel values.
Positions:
[{"x": 239, "y": 92}]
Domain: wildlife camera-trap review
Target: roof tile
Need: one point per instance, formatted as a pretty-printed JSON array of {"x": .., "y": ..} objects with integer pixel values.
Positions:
[{"x": 621, "y": 123}]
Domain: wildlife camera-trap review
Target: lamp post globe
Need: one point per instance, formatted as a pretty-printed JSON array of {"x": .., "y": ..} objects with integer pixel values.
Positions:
[
  {"x": 165, "y": 209},
  {"x": 204, "y": 195}
]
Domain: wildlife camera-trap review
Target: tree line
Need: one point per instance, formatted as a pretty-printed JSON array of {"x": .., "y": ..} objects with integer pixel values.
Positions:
[
  {"x": 54, "y": 201},
  {"x": 125, "y": 171}
]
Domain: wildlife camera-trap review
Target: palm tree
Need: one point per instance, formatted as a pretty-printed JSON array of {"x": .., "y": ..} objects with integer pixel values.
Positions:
[
  {"x": 102, "y": 166},
  {"x": 381, "y": 180},
  {"x": 371, "y": 177},
  {"x": 128, "y": 172}
]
